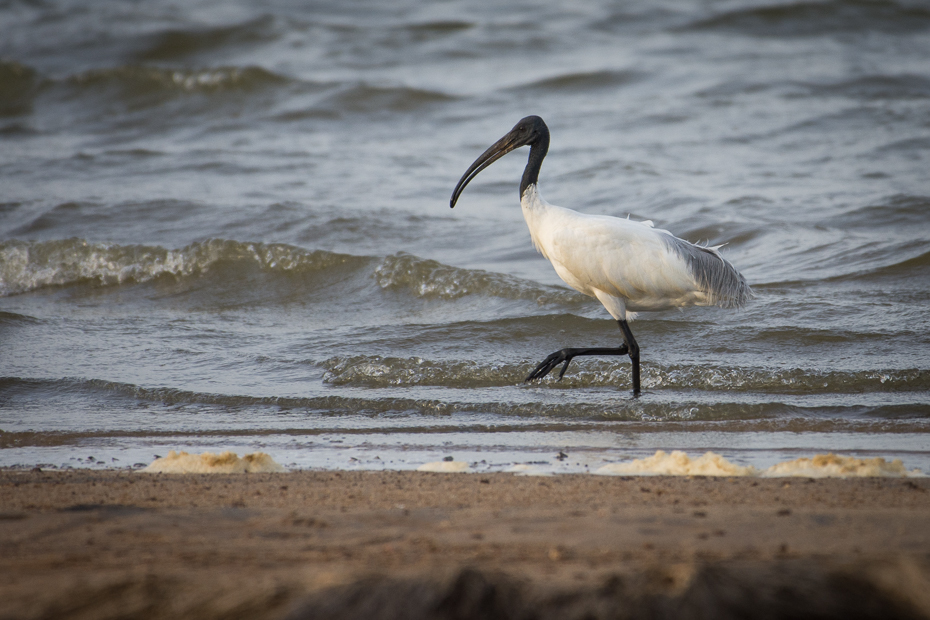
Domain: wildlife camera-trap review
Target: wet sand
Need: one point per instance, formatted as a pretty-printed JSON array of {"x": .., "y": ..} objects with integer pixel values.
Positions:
[{"x": 85, "y": 544}]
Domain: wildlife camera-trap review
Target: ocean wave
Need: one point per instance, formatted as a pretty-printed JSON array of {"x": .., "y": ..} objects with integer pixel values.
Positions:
[
  {"x": 18, "y": 85},
  {"x": 583, "y": 81},
  {"x": 31, "y": 265},
  {"x": 914, "y": 266},
  {"x": 901, "y": 210},
  {"x": 368, "y": 98},
  {"x": 376, "y": 371},
  {"x": 805, "y": 19},
  {"x": 12, "y": 318},
  {"x": 633, "y": 415},
  {"x": 662, "y": 419},
  {"x": 874, "y": 241},
  {"x": 182, "y": 43},
  {"x": 874, "y": 87},
  {"x": 432, "y": 29},
  {"x": 433, "y": 280},
  {"x": 141, "y": 81},
  {"x": 877, "y": 87},
  {"x": 907, "y": 146},
  {"x": 380, "y": 372}
]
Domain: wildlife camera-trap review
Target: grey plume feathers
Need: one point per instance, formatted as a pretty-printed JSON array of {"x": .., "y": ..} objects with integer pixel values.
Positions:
[{"x": 720, "y": 281}]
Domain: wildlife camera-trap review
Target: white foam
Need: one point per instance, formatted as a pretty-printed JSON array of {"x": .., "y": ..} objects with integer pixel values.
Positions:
[
  {"x": 209, "y": 463},
  {"x": 445, "y": 467},
  {"x": 711, "y": 464},
  {"x": 522, "y": 469}
]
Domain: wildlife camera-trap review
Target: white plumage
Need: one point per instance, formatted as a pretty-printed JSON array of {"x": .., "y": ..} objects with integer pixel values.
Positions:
[{"x": 628, "y": 266}]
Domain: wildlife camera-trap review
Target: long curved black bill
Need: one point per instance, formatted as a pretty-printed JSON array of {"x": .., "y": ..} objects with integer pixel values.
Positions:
[{"x": 494, "y": 152}]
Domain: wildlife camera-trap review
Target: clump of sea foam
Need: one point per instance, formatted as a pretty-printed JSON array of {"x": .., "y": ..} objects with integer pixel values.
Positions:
[
  {"x": 835, "y": 465},
  {"x": 445, "y": 467},
  {"x": 209, "y": 463},
  {"x": 679, "y": 463}
]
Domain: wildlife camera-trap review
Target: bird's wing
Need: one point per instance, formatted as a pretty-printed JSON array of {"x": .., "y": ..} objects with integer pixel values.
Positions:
[
  {"x": 619, "y": 257},
  {"x": 649, "y": 267}
]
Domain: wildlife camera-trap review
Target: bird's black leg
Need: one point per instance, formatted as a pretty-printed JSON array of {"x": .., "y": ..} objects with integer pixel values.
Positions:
[
  {"x": 565, "y": 357},
  {"x": 633, "y": 351}
]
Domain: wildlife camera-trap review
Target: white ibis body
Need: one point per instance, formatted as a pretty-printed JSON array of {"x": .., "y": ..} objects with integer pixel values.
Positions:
[{"x": 628, "y": 266}]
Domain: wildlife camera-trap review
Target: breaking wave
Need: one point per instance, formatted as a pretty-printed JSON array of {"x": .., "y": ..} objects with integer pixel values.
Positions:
[
  {"x": 433, "y": 415},
  {"x": 803, "y": 19},
  {"x": 139, "y": 80},
  {"x": 431, "y": 279},
  {"x": 377, "y": 371},
  {"x": 18, "y": 84},
  {"x": 31, "y": 265}
]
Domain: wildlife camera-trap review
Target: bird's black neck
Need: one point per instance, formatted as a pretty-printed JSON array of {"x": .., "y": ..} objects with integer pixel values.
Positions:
[{"x": 538, "y": 150}]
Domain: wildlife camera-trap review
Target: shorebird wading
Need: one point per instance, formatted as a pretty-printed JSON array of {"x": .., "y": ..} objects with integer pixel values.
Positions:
[{"x": 628, "y": 266}]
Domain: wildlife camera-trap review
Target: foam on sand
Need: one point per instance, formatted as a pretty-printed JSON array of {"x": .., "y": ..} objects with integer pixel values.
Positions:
[
  {"x": 834, "y": 465},
  {"x": 444, "y": 467},
  {"x": 711, "y": 464},
  {"x": 678, "y": 464},
  {"x": 526, "y": 470},
  {"x": 209, "y": 463}
]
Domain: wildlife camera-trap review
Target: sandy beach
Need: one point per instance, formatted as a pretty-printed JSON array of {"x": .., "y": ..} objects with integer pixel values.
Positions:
[{"x": 310, "y": 544}]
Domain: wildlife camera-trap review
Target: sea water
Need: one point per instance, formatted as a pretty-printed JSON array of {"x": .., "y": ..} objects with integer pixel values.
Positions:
[{"x": 225, "y": 226}]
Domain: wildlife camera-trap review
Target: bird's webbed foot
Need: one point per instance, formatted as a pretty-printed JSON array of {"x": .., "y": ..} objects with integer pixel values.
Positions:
[{"x": 545, "y": 367}]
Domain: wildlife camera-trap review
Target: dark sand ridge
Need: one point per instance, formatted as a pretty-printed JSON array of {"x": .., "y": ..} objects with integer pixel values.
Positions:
[{"x": 85, "y": 544}]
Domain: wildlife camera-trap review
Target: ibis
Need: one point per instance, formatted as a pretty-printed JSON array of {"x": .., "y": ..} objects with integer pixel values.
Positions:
[{"x": 628, "y": 266}]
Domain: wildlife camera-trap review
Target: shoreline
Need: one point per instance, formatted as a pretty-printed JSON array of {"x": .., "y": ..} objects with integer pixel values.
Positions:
[{"x": 102, "y": 544}]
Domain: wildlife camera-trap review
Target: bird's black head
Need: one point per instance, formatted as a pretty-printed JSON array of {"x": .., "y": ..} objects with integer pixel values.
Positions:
[{"x": 530, "y": 131}]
